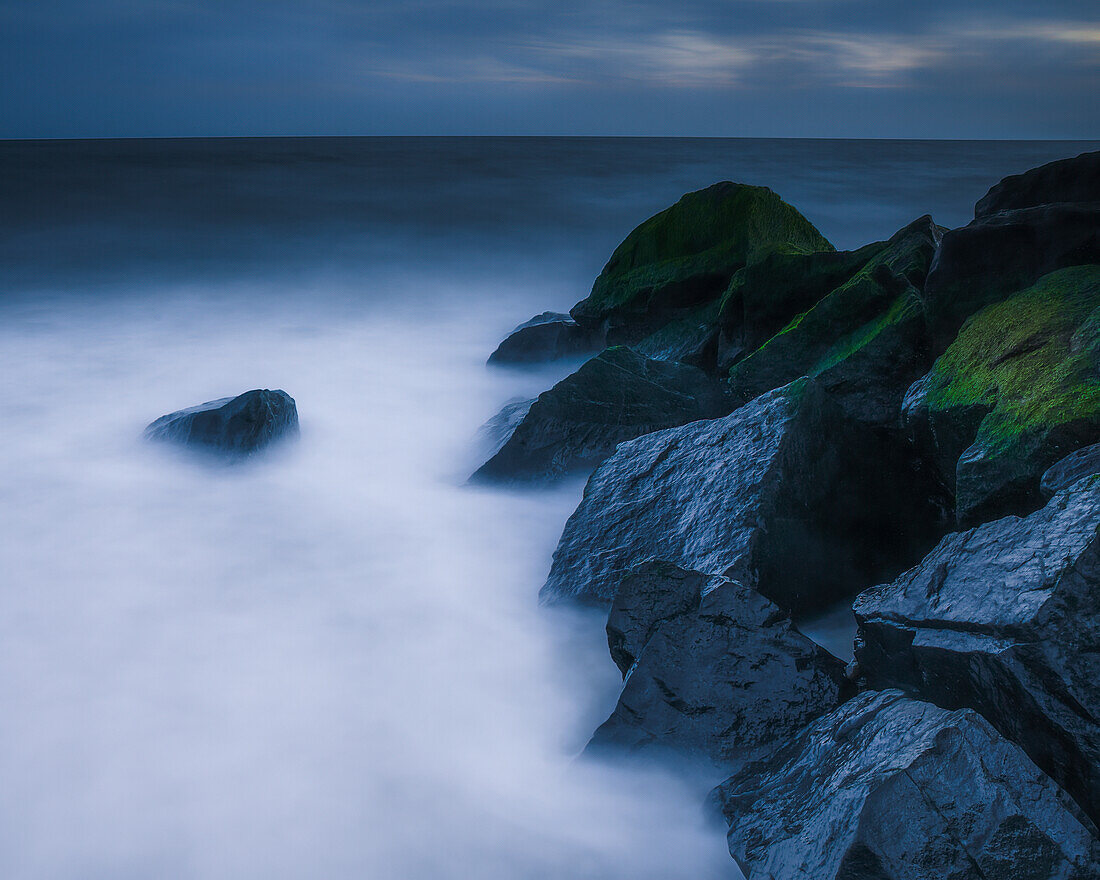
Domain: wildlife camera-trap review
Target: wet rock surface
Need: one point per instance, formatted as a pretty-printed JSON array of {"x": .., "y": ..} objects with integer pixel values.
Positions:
[
  {"x": 1071, "y": 469},
  {"x": 1005, "y": 619},
  {"x": 550, "y": 336},
  {"x": 234, "y": 425},
  {"x": 891, "y": 788}
]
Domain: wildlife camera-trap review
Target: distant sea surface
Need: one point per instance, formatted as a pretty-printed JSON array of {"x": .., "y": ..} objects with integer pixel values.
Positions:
[{"x": 329, "y": 662}]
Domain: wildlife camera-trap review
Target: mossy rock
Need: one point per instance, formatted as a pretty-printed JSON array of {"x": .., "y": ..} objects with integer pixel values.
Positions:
[
  {"x": 684, "y": 257},
  {"x": 1018, "y": 390},
  {"x": 865, "y": 341}
]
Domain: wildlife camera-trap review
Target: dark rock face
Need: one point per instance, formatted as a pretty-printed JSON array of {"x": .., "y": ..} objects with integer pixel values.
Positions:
[
  {"x": 1082, "y": 463},
  {"x": 1001, "y": 253},
  {"x": 721, "y": 672},
  {"x": 616, "y": 396},
  {"x": 684, "y": 257},
  {"x": 1005, "y": 619},
  {"x": 889, "y": 788},
  {"x": 1068, "y": 180},
  {"x": 865, "y": 342},
  {"x": 1016, "y": 391},
  {"x": 692, "y": 339},
  {"x": 550, "y": 336},
  {"x": 238, "y": 425},
  {"x": 495, "y": 433},
  {"x": 776, "y": 495}
]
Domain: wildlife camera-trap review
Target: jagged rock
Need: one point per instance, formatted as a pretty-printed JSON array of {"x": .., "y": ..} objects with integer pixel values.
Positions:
[
  {"x": 999, "y": 254},
  {"x": 550, "y": 336},
  {"x": 615, "y": 396},
  {"x": 889, "y": 788},
  {"x": 495, "y": 433},
  {"x": 692, "y": 339},
  {"x": 1005, "y": 619},
  {"x": 763, "y": 297},
  {"x": 782, "y": 495},
  {"x": 1067, "y": 180},
  {"x": 721, "y": 674},
  {"x": 865, "y": 342},
  {"x": 684, "y": 257},
  {"x": 1082, "y": 463},
  {"x": 238, "y": 425},
  {"x": 1015, "y": 392}
]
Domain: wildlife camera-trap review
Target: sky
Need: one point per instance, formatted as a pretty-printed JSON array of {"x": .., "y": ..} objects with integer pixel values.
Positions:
[{"x": 734, "y": 68}]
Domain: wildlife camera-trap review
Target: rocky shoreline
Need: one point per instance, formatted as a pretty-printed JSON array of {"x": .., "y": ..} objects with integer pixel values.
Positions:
[{"x": 772, "y": 426}]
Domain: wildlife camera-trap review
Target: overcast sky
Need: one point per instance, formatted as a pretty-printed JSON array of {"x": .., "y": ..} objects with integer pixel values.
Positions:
[{"x": 828, "y": 68}]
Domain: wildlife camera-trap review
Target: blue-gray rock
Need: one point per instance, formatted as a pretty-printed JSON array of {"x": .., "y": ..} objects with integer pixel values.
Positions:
[
  {"x": 550, "y": 336},
  {"x": 1005, "y": 619},
  {"x": 615, "y": 396},
  {"x": 236, "y": 425},
  {"x": 492, "y": 436},
  {"x": 780, "y": 495},
  {"x": 890, "y": 788},
  {"x": 721, "y": 673},
  {"x": 1063, "y": 474}
]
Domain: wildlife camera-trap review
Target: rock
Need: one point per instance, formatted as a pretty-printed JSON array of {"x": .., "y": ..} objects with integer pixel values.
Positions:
[
  {"x": 1067, "y": 180},
  {"x": 782, "y": 495},
  {"x": 999, "y": 254},
  {"x": 616, "y": 396},
  {"x": 1015, "y": 392},
  {"x": 722, "y": 673},
  {"x": 865, "y": 342},
  {"x": 889, "y": 788},
  {"x": 684, "y": 257},
  {"x": 692, "y": 339},
  {"x": 238, "y": 425},
  {"x": 764, "y": 296},
  {"x": 495, "y": 433},
  {"x": 1082, "y": 463},
  {"x": 1005, "y": 619},
  {"x": 550, "y": 336}
]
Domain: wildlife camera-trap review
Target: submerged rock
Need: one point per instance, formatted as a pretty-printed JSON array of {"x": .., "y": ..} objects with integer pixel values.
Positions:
[
  {"x": 239, "y": 425},
  {"x": 684, "y": 257},
  {"x": 865, "y": 342},
  {"x": 1005, "y": 619},
  {"x": 1067, "y": 180},
  {"x": 550, "y": 336},
  {"x": 781, "y": 495},
  {"x": 889, "y": 788},
  {"x": 1015, "y": 392},
  {"x": 616, "y": 396},
  {"x": 721, "y": 672}
]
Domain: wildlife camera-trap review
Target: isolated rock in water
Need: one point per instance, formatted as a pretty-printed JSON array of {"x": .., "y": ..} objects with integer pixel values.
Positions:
[
  {"x": 684, "y": 257},
  {"x": 889, "y": 788},
  {"x": 1015, "y": 392},
  {"x": 721, "y": 679},
  {"x": 692, "y": 339},
  {"x": 1067, "y": 180},
  {"x": 241, "y": 424},
  {"x": 1005, "y": 619},
  {"x": 495, "y": 433},
  {"x": 764, "y": 296},
  {"x": 781, "y": 495},
  {"x": 616, "y": 396},
  {"x": 999, "y": 254},
  {"x": 546, "y": 337},
  {"x": 1082, "y": 463},
  {"x": 865, "y": 342}
]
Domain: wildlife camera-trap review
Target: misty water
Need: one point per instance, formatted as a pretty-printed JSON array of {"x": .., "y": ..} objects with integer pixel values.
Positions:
[{"x": 329, "y": 661}]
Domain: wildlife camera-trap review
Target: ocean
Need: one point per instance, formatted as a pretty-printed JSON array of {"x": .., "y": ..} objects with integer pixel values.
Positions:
[{"x": 329, "y": 661}]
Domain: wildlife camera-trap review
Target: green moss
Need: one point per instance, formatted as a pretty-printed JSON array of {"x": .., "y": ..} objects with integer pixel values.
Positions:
[
  {"x": 1032, "y": 360},
  {"x": 691, "y": 249}
]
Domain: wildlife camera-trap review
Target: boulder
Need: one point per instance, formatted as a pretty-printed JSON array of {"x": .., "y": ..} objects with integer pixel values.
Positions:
[
  {"x": 890, "y": 788},
  {"x": 684, "y": 257},
  {"x": 722, "y": 673},
  {"x": 692, "y": 339},
  {"x": 615, "y": 396},
  {"x": 865, "y": 342},
  {"x": 1005, "y": 619},
  {"x": 237, "y": 425},
  {"x": 550, "y": 336},
  {"x": 1074, "y": 180},
  {"x": 999, "y": 254},
  {"x": 1082, "y": 463},
  {"x": 1018, "y": 390},
  {"x": 492, "y": 436},
  {"x": 782, "y": 495}
]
